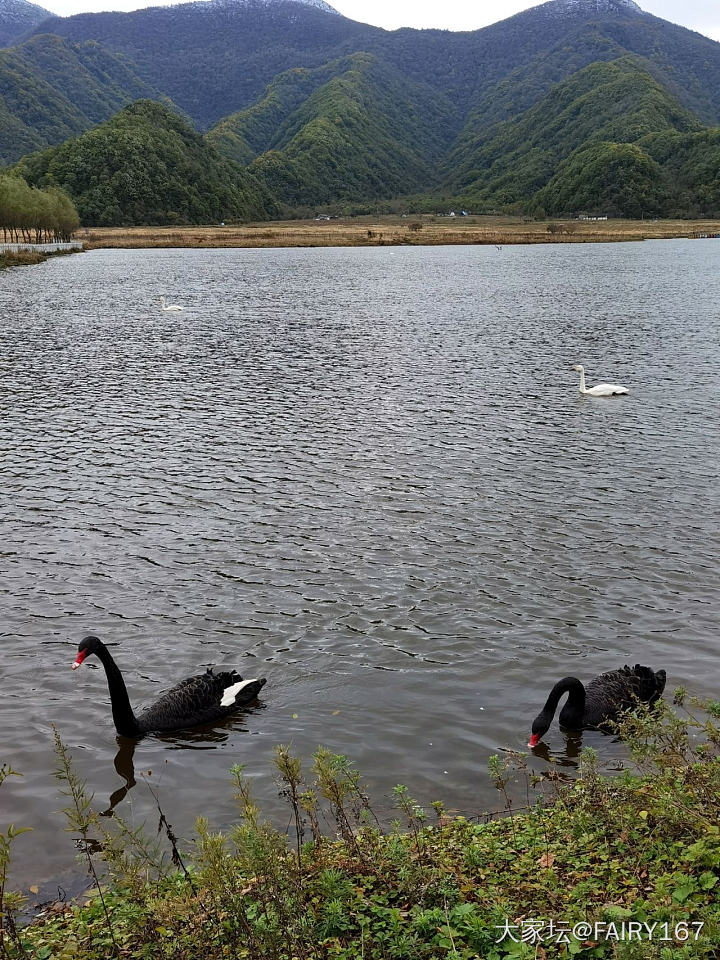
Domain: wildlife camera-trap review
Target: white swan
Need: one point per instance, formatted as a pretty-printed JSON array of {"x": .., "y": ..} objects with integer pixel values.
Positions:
[
  {"x": 601, "y": 389},
  {"x": 169, "y": 306}
]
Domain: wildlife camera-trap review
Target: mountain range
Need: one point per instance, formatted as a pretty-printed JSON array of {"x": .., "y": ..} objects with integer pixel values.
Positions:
[{"x": 572, "y": 105}]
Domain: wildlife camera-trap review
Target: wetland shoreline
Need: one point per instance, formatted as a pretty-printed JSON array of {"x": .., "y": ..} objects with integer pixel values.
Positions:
[
  {"x": 593, "y": 862},
  {"x": 396, "y": 231},
  {"x": 29, "y": 258}
]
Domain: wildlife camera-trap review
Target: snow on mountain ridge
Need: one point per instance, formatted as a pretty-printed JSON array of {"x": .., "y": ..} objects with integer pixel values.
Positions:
[
  {"x": 20, "y": 11},
  {"x": 318, "y": 4},
  {"x": 590, "y": 6}
]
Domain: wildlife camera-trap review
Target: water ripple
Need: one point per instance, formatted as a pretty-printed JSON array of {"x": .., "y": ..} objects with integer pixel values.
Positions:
[{"x": 370, "y": 478}]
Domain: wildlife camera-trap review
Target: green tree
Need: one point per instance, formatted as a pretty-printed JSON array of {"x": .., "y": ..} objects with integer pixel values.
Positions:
[{"x": 29, "y": 214}]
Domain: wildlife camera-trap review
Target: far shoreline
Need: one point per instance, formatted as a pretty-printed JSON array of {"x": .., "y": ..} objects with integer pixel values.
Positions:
[{"x": 421, "y": 230}]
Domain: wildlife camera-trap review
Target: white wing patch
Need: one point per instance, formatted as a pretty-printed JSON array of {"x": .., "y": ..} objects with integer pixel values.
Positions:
[
  {"x": 606, "y": 390},
  {"x": 231, "y": 692}
]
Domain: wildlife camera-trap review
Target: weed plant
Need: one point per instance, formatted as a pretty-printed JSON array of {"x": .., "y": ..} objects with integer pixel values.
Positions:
[{"x": 642, "y": 847}]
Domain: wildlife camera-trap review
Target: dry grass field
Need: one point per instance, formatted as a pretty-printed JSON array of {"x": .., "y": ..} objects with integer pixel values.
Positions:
[{"x": 395, "y": 230}]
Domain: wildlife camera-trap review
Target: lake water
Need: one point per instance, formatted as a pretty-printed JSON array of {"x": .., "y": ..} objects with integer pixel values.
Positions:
[{"x": 365, "y": 474}]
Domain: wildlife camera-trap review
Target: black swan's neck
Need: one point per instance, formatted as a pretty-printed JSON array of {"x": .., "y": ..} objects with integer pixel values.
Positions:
[
  {"x": 125, "y": 722},
  {"x": 572, "y": 713}
]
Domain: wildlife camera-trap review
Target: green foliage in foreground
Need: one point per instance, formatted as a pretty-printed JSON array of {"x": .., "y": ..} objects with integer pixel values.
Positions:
[
  {"x": 148, "y": 166},
  {"x": 642, "y": 848}
]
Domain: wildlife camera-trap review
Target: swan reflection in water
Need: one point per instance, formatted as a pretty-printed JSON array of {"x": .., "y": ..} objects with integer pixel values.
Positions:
[
  {"x": 567, "y": 757},
  {"x": 562, "y": 760},
  {"x": 202, "y": 738}
]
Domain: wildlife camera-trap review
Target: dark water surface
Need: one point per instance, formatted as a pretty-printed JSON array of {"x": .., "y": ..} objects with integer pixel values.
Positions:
[{"x": 365, "y": 474}]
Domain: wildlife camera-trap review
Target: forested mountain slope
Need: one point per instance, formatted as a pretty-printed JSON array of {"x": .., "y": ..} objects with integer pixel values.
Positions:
[
  {"x": 353, "y": 128},
  {"x": 52, "y": 90},
  {"x": 323, "y": 110},
  {"x": 616, "y": 102},
  {"x": 215, "y": 58},
  {"x": 147, "y": 165}
]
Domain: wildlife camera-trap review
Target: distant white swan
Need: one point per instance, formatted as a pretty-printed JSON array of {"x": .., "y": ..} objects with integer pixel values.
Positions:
[
  {"x": 169, "y": 306},
  {"x": 601, "y": 389}
]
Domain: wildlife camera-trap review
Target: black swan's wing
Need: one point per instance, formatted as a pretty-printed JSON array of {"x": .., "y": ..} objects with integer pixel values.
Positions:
[
  {"x": 609, "y": 694},
  {"x": 197, "y": 700}
]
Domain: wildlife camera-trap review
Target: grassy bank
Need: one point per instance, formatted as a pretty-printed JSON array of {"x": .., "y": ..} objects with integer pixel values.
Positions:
[
  {"x": 27, "y": 258},
  {"x": 20, "y": 258},
  {"x": 621, "y": 867},
  {"x": 396, "y": 231}
]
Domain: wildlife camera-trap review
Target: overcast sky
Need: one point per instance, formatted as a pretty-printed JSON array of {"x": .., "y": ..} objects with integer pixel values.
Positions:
[{"x": 700, "y": 15}]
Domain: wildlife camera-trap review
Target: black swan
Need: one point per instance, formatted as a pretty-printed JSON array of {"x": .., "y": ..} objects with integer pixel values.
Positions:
[
  {"x": 203, "y": 699},
  {"x": 603, "y": 700}
]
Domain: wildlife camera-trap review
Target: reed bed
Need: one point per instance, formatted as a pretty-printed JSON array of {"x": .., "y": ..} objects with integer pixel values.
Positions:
[{"x": 396, "y": 231}]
